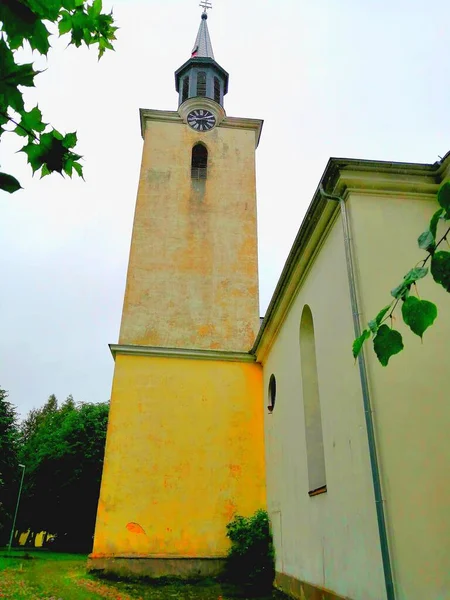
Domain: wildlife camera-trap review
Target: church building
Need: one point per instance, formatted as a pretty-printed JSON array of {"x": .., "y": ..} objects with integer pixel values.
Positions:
[{"x": 215, "y": 413}]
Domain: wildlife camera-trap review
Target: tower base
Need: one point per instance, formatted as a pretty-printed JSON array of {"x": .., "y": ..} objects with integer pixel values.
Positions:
[{"x": 154, "y": 567}]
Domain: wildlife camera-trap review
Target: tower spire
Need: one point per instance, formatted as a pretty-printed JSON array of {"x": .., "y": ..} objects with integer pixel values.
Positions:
[
  {"x": 201, "y": 76},
  {"x": 203, "y": 47}
]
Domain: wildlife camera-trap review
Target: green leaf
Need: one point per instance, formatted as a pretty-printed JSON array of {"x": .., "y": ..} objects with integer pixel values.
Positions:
[
  {"x": 427, "y": 239},
  {"x": 48, "y": 151},
  {"x": 31, "y": 122},
  {"x": 45, "y": 171},
  {"x": 386, "y": 343},
  {"x": 96, "y": 8},
  {"x": 70, "y": 140},
  {"x": 65, "y": 24},
  {"x": 68, "y": 167},
  {"x": 48, "y": 10},
  {"x": 79, "y": 169},
  {"x": 34, "y": 153},
  {"x": 87, "y": 37},
  {"x": 22, "y": 21},
  {"x": 415, "y": 274},
  {"x": 39, "y": 40},
  {"x": 444, "y": 196},
  {"x": 435, "y": 220},
  {"x": 440, "y": 269},
  {"x": 418, "y": 314},
  {"x": 375, "y": 323},
  {"x": 13, "y": 76},
  {"x": 9, "y": 183},
  {"x": 358, "y": 343},
  {"x": 401, "y": 291}
]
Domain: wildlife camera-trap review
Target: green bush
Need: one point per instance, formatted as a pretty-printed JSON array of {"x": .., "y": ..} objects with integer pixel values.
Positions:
[{"x": 251, "y": 558}]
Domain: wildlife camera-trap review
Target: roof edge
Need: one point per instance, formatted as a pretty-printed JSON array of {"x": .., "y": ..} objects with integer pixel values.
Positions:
[{"x": 342, "y": 175}]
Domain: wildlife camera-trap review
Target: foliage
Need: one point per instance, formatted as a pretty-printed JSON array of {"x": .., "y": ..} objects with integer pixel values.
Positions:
[
  {"x": 57, "y": 576},
  {"x": 23, "y": 22},
  {"x": 417, "y": 314},
  {"x": 251, "y": 558},
  {"x": 63, "y": 447},
  {"x": 8, "y": 464}
]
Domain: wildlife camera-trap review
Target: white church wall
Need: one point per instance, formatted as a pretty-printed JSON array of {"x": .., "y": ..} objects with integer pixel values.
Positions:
[
  {"x": 410, "y": 396},
  {"x": 329, "y": 540}
]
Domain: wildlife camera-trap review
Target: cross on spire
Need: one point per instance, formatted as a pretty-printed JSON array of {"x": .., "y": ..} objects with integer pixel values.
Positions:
[{"x": 205, "y": 4}]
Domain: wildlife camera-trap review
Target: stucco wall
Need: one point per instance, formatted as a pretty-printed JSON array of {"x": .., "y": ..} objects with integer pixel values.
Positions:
[
  {"x": 410, "y": 395},
  {"x": 193, "y": 274},
  {"x": 329, "y": 540},
  {"x": 184, "y": 452}
]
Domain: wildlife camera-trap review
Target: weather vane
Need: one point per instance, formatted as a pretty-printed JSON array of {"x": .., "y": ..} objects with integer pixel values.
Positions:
[{"x": 205, "y": 4}]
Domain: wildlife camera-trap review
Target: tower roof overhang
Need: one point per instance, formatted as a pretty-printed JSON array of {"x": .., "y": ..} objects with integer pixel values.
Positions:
[{"x": 200, "y": 61}]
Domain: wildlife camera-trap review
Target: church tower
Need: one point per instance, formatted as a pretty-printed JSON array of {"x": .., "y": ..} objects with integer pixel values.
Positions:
[{"x": 184, "y": 448}]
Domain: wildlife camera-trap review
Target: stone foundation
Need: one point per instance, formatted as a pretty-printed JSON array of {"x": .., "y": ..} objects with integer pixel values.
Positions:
[
  {"x": 301, "y": 590},
  {"x": 138, "y": 566}
]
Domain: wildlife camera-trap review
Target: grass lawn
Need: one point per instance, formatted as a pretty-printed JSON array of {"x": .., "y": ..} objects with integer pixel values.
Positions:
[{"x": 55, "y": 576}]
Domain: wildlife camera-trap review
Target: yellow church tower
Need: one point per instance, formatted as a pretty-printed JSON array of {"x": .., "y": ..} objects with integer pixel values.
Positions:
[{"x": 184, "y": 449}]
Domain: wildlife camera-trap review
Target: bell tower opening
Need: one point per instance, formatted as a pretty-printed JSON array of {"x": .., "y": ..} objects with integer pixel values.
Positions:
[
  {"x": 199, "y": 162},
  {"x": 185, "y": 92},
  {"x": 201, "y": 83}
]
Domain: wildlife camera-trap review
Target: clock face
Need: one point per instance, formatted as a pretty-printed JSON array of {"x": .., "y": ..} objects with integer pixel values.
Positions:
[{"x": 201, "y": 119}]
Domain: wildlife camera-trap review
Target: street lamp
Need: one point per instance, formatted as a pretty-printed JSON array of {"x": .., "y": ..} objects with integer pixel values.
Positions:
[{"x": 17, "y": 508}]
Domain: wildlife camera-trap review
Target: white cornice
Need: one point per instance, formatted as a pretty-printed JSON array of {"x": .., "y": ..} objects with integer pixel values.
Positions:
[
  {"x": 167, "y": 116},
  {"x": 172, "y": 116},
  {"x": 243, "y": 123},
  {"x": 411, "y": 183},
  {"x": 188, "y": 353}
]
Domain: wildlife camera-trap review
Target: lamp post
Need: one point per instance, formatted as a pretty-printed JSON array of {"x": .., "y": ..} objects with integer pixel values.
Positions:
[{"x": 17, "y": 508}]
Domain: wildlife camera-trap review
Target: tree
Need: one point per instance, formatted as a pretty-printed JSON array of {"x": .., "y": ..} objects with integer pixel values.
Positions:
[
  {"x": 63, "y": 448},
  {"x": 8, "y": 464},
  {"x": 24, "y": 21},
  {"x": 418, "y": 314}
]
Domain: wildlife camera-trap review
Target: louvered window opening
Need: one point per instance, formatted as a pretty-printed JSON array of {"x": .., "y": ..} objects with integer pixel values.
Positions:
[
  {"x": 199, "y": 163},
  {"x": 201, "y": 83},
  {"x": 185, "y": 92},
  {"x": 216, "y": 90}
]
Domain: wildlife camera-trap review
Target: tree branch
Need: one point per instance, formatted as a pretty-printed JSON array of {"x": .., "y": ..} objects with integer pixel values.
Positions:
[{"x": 18, "y": 125}]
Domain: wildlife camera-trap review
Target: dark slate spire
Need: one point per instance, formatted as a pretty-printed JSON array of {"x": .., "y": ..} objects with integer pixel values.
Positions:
[
  {"x": 201, "y": 75},
  {"x": 203, "y": 47}
]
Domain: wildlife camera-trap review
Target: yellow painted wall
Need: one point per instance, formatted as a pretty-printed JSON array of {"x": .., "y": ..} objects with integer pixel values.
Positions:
[
  {"x": 330, "y": 540},
  {"x": 410, "y": 396},
  {"x": 184, "y": 452},
  {"x": 193, "y": 279}
]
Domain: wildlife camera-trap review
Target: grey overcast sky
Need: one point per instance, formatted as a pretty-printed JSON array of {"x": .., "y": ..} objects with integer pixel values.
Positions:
[{"x": 349, "y": 78}]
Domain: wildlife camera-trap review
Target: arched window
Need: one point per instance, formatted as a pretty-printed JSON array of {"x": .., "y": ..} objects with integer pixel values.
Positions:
[
  {"x": 199, "y": 162},
  {"x": 201, "y": 83},
  {"x": 185, "y": 92},
  {"x": 217, "y": 90},
  {"x": 311, "y": 405}
]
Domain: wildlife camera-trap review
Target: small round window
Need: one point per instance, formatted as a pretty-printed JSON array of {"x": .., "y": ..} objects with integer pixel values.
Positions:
[{"x": 272, "y": 393}]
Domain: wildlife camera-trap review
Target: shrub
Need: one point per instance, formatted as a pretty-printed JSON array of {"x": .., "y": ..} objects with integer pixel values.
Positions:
[{"x": 251, "y": 558}]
